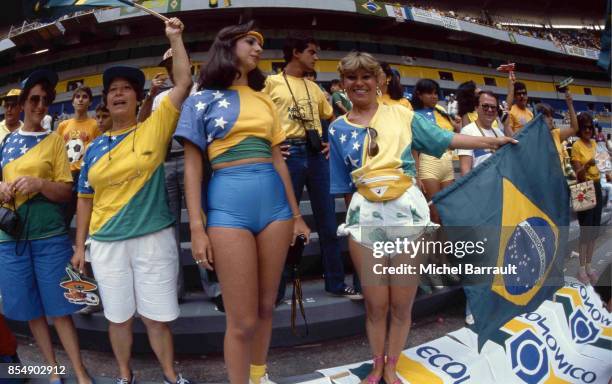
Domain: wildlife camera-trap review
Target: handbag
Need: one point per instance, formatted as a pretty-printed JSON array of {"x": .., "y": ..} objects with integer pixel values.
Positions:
[
  {"x": 9, "y": 220},
  {"x": 583, "y": 196},
  {"x": 294, "y": 258},
  {"x": 313, "y": 140}
]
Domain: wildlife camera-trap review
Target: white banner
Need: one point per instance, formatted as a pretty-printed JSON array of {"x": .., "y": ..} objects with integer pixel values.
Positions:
[
  {"x": 450, "y": 23},
  {"x": 582, "y": 52}
]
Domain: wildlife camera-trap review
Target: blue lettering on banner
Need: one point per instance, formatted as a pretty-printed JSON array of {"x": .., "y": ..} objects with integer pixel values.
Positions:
[{"x": 454, "y": 369}]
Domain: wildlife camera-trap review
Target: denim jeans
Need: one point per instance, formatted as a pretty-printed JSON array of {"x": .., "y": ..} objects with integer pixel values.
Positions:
[
  {"x": 175, "y": 185},
  {"x": 312, "y": 170}
]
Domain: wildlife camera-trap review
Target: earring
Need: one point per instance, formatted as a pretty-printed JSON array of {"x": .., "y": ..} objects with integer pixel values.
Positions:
[{"x": 378, "y": 91}]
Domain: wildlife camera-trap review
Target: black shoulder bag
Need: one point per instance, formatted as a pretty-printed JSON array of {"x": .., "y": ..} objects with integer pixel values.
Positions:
[
  {"x": 9, "y": 220},
  {"x": 313, "y": 140}
]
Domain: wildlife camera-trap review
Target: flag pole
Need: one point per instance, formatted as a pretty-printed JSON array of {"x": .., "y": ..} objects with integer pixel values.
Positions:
[{"x": 145, "y": 9}]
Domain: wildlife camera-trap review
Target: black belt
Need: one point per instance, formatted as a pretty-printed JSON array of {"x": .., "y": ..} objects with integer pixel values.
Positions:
[{"x": 295, "y": 141}]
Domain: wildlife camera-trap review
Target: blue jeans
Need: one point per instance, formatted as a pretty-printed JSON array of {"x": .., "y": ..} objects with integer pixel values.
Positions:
[{"x": 312, "y": 170}]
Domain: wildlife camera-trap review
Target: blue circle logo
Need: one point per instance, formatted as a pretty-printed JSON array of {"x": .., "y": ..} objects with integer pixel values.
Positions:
[{"x": 531, "y": 248}]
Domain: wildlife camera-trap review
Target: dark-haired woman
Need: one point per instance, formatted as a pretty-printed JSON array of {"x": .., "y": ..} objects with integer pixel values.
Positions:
[
  {"x": 435, "y": 173},
  {"x": 252, "y": 215},
  {"x": 36, "y": 179},
  {"x": 583, "y": 161},
  {"x": 122, "y": 204},
  {"x": 391, "y": 87}
]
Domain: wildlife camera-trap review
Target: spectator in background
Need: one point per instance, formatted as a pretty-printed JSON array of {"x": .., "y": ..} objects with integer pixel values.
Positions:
[
  {"x": 46, "y": 122},
  {"x": 12, "y": 109},
  {"x": 434, "y": 173},
  {"x": 467, "y": 99},
  {"x": 560, "y": 135},
  {"x": 301, "y": 106},
  {"x": 77, "y": 133},
  {"x": 391, "y": 87},
  {"x": 583, "y": 161},
  {"x": 54, "y": 121},
  {"x": 482, "y": 126},
  {"x": 339, "y": 100},
  {"x": 518, "y": 99},
  {"x": 453, "y": 106},
  {"x": 103, "y": 118}
]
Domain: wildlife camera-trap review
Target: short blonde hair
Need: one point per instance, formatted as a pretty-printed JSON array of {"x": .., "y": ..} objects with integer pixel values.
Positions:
[{"x": 359, "y": 60}]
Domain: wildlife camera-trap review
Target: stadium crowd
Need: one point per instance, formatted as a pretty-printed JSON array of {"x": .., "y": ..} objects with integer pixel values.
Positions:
[{"x": 124, "y": 173}]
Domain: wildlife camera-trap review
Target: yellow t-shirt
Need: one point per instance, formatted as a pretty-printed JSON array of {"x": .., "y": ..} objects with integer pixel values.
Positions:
[
  {"x": 5, "y": 131},
  {"x": 519, "y": 117},
  {"x": 311, "y": 113},
  {"x": 582, "y": 154},
  {"x": 387, "y": 100},
  {"x": 556, "y": 135},
  {"x": 217, "y": 121},
  {"x": 473, "y": 116},
  {"x": 77, "y": 135},
  {"x": 123, "y": 171},
  {"x": 41, "y": 155}
]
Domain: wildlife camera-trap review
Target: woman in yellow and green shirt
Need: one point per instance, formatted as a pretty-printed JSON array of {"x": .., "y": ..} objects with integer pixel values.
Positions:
[
  {"x": 371, "y": 163},
  {"x": 583, "y": 161}
]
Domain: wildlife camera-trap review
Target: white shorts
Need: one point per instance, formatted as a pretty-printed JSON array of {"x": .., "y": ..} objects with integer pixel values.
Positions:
[
  {"x": 371, "y": 221},
  {"x": 138, "y": 274}
]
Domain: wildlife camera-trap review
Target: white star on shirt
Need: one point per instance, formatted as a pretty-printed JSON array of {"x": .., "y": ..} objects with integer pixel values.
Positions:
[
  {"x": 224, "y": 104},
  {"x": 354, "y": 162},
  {"x": 20, "y": 141},
  {"x": 342, "y": 138},
  {"x": 210, "y": 138},
  {"x": 332, "y": 131},
  {"x": 23, "y": 149},
  {"x": 113, "y": 138},
  {"x": 217, "y": 95},
  {"x": 356, "y": 146},
  {"x": 200, "y": 106},
  {"x": 198, "y": 93},
  {"x": 220, "y": 122},
  {"x": 86, "y": 184},
  {"x": 38, "y": 140},
  {"x": 10, "y": 150},
  {"x": 94, "y": 159},
  {"x": 354, "y": 134},
  {"x": 104, "y": 148}
]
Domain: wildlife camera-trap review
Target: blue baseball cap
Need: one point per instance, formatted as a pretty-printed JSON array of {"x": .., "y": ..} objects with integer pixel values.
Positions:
[
  {"x": 123, "y": 71},
  {"x": 38, "y": 75}
]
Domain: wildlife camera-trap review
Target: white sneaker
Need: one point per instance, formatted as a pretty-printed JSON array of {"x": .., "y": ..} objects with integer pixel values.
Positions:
[
  {"x": 469, "y": 319},
  {"x": 264, "y": 380}
]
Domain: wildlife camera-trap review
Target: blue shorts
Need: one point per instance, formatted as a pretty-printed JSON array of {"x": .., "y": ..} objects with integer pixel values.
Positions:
[
  {"x": 30, "y": 283},
  {"x": 248, "y": 196}
]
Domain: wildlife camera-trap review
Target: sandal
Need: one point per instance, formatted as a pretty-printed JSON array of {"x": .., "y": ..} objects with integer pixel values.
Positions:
[
  {"x": 392, "y": 361},
  {"x": 375, "y": 379}
]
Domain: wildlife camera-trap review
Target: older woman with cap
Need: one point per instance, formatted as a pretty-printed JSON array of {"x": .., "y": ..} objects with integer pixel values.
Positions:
[
  {"x": 123, "y": 205},
  {"x": 36, "y": 179},
  {"x": 371, "y": 162}
]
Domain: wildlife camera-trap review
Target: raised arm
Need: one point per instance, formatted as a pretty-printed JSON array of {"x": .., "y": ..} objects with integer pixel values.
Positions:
[
  {"x": 460, "y": 141},
  {"x": 510, "y": 96},
  {"x": 573, "y": 129},
  {"x": 181, "y": 69}
]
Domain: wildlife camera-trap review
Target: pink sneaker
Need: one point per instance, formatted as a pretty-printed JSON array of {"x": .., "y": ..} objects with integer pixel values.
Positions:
[
  {"x": 583, "y": 277},
  {"x": 593, "y": 276}
]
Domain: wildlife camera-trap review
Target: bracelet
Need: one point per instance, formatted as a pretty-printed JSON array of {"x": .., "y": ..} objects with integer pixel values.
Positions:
[{"x": 297, "y": 216}]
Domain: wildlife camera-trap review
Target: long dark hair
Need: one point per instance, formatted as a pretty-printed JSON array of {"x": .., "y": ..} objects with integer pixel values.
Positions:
[
  {"x": 585, "y": 120},
  {"x": 423, "y": 86},
  {"x": 394, "y": 88},
  {"x": 466, "y": 98},
  {"x": 222, "y": 68}
]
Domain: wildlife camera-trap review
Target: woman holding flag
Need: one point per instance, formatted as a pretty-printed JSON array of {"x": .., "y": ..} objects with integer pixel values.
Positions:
[
  {"x": 123, "y": 206},
  {"x": 371, "y": 163}
]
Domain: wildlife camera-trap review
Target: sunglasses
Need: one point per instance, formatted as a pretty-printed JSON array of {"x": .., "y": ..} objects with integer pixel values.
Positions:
[
  {"x": 488, "y": 107},
  {"x": 36, "y": 99},
  {"x": 10, "y": 105},
  {"x": 372, "y": 144}
]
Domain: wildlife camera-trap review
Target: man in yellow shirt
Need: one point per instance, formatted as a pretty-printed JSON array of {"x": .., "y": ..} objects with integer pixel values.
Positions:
[
  {"x": 12, "y": 109},
  {"x": 301, "y": 105},
  {"x": 77, "y": 133},
  {"x": 517, "y": 98}
]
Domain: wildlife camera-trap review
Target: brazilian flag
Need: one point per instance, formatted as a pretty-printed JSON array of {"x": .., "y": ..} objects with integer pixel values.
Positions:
[
  {"x": 517, "y": 204},
  {"x": 48, "y": 9},
  {"x": 371, "y": 7}
]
